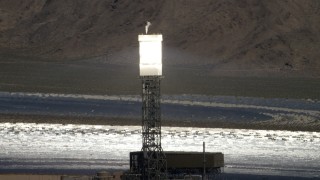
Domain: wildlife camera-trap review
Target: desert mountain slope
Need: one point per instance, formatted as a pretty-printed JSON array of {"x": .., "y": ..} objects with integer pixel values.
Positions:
[{"x": 238, "y": 36}]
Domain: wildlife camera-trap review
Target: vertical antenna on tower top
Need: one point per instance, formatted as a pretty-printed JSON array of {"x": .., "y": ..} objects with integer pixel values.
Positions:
[{"x": 147, "y": 26}]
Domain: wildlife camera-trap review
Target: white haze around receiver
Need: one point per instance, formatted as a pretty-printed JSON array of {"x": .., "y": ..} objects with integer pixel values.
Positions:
[{"x": 147, "y": 26}]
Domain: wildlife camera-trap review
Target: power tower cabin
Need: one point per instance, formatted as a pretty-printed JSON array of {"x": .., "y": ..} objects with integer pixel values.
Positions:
[{"x": 180, "y": 163}]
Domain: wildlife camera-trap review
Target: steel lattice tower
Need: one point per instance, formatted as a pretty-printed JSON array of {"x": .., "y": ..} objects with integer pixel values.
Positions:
[{"x": 155, "y": 165}]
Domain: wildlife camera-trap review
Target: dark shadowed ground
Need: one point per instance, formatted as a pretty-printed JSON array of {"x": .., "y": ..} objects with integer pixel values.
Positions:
[{"x": 95, "y": 76}]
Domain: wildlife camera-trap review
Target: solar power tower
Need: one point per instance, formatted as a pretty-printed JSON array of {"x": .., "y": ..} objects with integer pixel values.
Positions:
[{"x": 154, "y": 160}]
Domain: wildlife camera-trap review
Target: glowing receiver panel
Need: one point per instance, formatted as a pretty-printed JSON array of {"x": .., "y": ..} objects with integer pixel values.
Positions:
[{"x": 150, "y": 51}]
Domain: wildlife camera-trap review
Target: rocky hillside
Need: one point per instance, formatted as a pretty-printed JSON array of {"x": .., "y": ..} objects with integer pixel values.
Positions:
[{"x": 231, "y": 36}]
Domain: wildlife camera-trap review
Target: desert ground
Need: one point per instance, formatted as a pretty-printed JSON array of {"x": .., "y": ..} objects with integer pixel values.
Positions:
[{"x": 98, "y": 76}]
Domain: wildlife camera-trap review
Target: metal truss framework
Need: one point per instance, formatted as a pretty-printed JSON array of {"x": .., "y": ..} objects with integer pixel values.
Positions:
[{"x": 154, "y": 160}]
